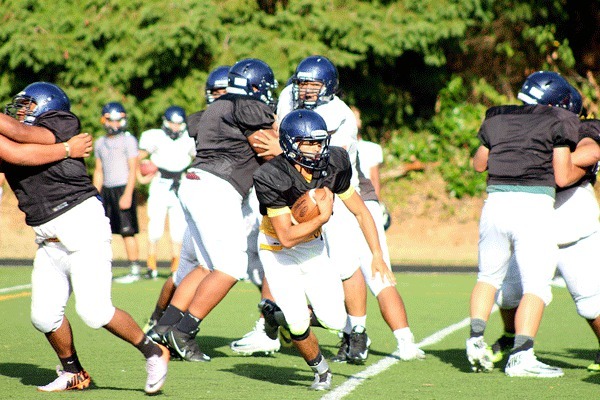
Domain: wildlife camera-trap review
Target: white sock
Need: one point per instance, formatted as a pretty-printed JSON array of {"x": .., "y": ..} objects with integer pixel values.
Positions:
[
  {"x": 356, "y": 321},
  {"x": 404, "y": 334}
]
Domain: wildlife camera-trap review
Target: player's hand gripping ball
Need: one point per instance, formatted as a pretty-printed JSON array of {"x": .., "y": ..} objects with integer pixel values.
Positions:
[
  {"x": 147, "y": 167},
  {"x": 305, "y": 208}
]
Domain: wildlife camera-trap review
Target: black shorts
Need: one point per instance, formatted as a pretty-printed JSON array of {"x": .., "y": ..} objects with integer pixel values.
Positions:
[{"x": 122, "y": 222}]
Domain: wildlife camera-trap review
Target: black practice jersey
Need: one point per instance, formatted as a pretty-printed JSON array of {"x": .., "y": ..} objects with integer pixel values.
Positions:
[
  {"x": 589, "y": 128},
  {"x": 192, "y": 124},
  {"x": 278, "y": 184},
  {"x": 521, "y": 140},
  {"x": 44, "y": 192},
  {"x": 222, "y": 146}
]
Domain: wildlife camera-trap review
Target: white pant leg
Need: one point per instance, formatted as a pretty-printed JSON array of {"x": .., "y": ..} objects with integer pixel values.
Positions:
[
  {"x": 578, "y": 264},
  {"x": 214, "y": 215},
  {"x": 341, "y": 233},
  {"x": 300, "y": 272},
  {"x": 252, "y": 217},
  {"x": 177, "y": 224},
  {"x": 80, "y": 262},
  {"x": 158, "y": 203},
  {"x": 375, "y": 284}
]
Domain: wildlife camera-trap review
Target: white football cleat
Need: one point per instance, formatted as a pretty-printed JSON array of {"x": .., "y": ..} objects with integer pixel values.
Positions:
[
  {"x": 256, "y": 341},
  {"x": 478, "y": 355},
  {"x": 67, "y": 381},
  {"x": 525, "y": 363},
  {"x": 407, "y": 350},
  {"x": 156, "y": 367}
]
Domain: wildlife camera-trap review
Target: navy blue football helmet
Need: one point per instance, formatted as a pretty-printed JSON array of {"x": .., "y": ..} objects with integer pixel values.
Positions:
[
  {"x": 576, "y": 103},
  {"x": 304, "y": 126},
  {"x": 176, "y": 115},
  {"x": 114, "y": 111},
  {"x": 252, "y": 77},
  {"x": 546, "y": 88},
  {"x": 217, "y": 79},
  {"x": 315, "y": 69},
  {"x": 46, "y": 97}
]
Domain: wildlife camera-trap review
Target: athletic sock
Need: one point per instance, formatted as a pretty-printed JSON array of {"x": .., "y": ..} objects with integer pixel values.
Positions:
[
  {"x": 189, "y": 324},
  {"x": 477, "y": 327},
  {"x": 171, "y": 316},
  {"x": 319, "y": 364},
  {"x": 158, "y": 313},
  {"x": 522, "y": 343},
  {"x": 148, "y": 348},
  {"x": 71, "y": 364}
]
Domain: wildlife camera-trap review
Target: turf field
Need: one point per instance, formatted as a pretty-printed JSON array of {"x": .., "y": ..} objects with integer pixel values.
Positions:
[{"x": 437, "y": 305}]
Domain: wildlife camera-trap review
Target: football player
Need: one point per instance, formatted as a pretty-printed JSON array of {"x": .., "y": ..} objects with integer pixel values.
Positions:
[
  {"x": 223, "y": 165},
  {"x": 293, "y": 255},
  {"x": 171, "y": 149},
  {"x": 73, "y": 234},
  {"x": 115, "y": 177},
  {"x": 578, "y": 230},
  {"x": 527, "y": 152},
  {"x": 187, "y": 276}
]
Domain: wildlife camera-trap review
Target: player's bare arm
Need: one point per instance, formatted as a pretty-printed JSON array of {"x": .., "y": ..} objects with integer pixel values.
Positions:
[
  {"x": 587, "y": 153},
  {"x": 126, "y": 199},
  {"x": 38, "y": 154},
  {"x": 98, "y": 177},
  {"x": 290, "y": 234},
  {"x": 480, "y": 159},
  {"x": 357, "y": 206},
  {"x": 565, "y": 172},
  {"x": 19, "y": 132}
]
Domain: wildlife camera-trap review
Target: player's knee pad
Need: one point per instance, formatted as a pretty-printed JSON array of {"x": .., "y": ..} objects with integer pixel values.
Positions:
[
  {"x": 588, "y": 307},
  {"x": 301, "y": 336},
  {"x": 509, "y": 296},
  {"x": 95, "y": 316},
  {"x": 299, "y": 327},
  {"x": 45, "y": 322},
  {"x": 376, "y": 285},
  {"x": 544, "y": 292}
]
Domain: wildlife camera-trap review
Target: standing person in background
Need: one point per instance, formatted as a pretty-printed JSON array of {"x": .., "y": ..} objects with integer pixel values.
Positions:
[
  {"x": 73, "y": 235},
  {"x": 171, "y": 149},
  {"x": 115, "y": 178}
]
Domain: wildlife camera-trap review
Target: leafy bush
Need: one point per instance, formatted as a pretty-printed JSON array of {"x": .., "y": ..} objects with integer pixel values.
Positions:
[{"x": 450, "y": 137}]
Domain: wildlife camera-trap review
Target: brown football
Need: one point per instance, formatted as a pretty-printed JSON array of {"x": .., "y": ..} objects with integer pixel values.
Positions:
[{"x": 305, "y": 208}]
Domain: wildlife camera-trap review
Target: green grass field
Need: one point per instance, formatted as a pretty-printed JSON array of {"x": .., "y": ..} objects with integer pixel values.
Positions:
[{"x": 434, "y": 302}]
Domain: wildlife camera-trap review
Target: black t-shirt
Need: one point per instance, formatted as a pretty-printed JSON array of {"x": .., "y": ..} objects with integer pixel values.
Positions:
[
  {"x": 278, "y": 184},
  {"x": 44, "y": 192},
  {"x": 222, "y": 146},
  {"x": 521, "y": 140}
]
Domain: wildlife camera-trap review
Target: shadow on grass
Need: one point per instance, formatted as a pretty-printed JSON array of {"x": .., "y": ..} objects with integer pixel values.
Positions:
[
  {"x": 32, "y": 375},
  {"x": 284, "y": 376}
]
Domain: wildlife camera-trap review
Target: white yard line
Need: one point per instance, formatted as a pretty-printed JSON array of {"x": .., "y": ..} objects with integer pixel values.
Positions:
[
  {"x": 14, "y": 288},
  {"x": 355, "y": 380}
]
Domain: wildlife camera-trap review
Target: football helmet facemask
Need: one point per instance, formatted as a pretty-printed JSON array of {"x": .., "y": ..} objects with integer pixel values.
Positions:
[
  {"x": 304, "y": 126},
  {"x": 36, "y": 99},
  {"x": 217, "y": 79},
  {"x": 252, "y": 77},
  {"x": 174, "y": 115},
  {"x": 315, "y": 82},
  {"x": 114, "y": 111},
  {"x": 546, "y": 88}
]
